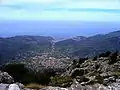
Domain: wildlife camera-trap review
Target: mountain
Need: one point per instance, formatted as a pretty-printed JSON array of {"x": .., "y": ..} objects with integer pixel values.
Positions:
[
  {"x": 17, "y": 47},
  {"x": 24, "y": 47},
  {"x": 89, "y": 46},
  {"x": 44, "y": 61}
]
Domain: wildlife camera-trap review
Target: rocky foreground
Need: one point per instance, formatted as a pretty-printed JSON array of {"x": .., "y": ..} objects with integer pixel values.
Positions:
[
  {"x": 100, "y": 73},
  {"x": 75, "y": 86}
]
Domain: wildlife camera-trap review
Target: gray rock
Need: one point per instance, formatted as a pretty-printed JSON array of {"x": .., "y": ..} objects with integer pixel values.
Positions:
[
  {"x": 115, "y": 85},
  {"x": 21, "y": 86},
  {"x": 13, "y": 87},
  {"x": 54, "y": 88},
  {"x": 105, "y": 81},
  {"x": 5, "y": 78},
  {"x": 82, "y": 79},
  {"x": 88, "y": 87},
  {"x": 4, "y": 86},
  {"x": 9, "y": 87},
  {"x": 112, "y": 79}
]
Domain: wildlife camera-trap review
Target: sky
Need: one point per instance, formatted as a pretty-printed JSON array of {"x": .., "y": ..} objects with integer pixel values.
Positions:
[
  {"x": 59, "y": 18},
  {"x": 84, "y": 10}
]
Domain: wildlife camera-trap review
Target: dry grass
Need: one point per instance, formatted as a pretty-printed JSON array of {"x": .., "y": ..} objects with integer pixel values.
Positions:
[{"x": 34, "y": 86}]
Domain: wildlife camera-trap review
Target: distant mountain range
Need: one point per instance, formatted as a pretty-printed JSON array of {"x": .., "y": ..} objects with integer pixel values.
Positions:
[
  {"x": 23, "y": 46},
  {"x": 18, "y": 47},
  {"x": 89, "y": 46}
]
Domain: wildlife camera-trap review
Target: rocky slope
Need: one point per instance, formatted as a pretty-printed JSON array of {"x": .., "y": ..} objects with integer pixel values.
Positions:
[
  {"x": 101, "y": 73},
  {"x": 45, "y": 61},
  {"x": 103, "y": 70}
]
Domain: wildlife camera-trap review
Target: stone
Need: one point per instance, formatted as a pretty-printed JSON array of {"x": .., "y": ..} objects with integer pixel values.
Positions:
[
  {"x": 112, "y": 79},
  {"x": 54, "y": 88},
  {"x": 21, "y": 86},
  {"x": 5, "y": 78},
  {"x": 105, "y": 81},
  {"x": 13, "y": 87},
  {"x": 4, "y": 86},
  {"x": 82, "y": 79}
]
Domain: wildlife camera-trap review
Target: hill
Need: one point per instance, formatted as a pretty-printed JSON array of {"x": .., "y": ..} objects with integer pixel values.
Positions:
[
  {"x": 18, "y": 47},
  {"x": 25, "y": 47},
  {"x": 90, "y": 46}
]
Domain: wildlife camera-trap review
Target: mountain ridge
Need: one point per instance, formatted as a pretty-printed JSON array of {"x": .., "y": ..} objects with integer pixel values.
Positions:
[
  {"x": 19, "y": 47},
  {"x": 94, "y": 43}
]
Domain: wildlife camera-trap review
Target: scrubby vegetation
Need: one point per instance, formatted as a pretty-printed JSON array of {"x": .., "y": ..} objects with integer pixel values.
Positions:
[
  {"x": 26, "y": 76},
  {"x": 62, "y": 81},
  {"x": 106, "y": 54},
  {"x": 86, "y": 71},
  {"x": 34, "y": 86},
  {"x": 113, "y": 57}
]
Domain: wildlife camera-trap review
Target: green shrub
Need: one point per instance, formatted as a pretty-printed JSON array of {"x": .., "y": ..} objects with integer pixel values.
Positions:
[
  {"x": 95, "y": 73},
  {"x": 34, "y": 86},
  {"x": 82, "y": 60},
  {"x": 106, "y": 54},
  {"x": 113, "y": 57},
  {"x": 62, "y": 81},
  {"x": 74, "y": 62},
  {"x": 81, "y": 79},
  {"x": 95, "y": 58},
  {"x": 116, "y": 73},
  {"x": 77, "y": 72},
  {"x": 17, "y": 71},
  {"x": 23, "y": 75},
  {"x": 99, "y": 79}
]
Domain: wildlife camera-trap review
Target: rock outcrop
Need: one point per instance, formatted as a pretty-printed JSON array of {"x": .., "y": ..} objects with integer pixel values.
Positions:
[
  {"x": 95, "y": 71},
  {"x": 97, "y": 74},
  {"x": 13, "y": 87},
  {"x": 74, "y": 86},
  {"x": 77, "y": 86},
  {"x": 5, "y": 78}
]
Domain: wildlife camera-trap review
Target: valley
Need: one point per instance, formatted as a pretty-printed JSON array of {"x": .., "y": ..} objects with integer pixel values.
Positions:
[{"x": 79, "y": 62}]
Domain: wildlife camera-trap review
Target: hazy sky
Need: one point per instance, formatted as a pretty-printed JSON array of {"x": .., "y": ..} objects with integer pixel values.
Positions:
[
  {"x": 84, "y": 10},
  {"x": 59, "y": 17}
]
